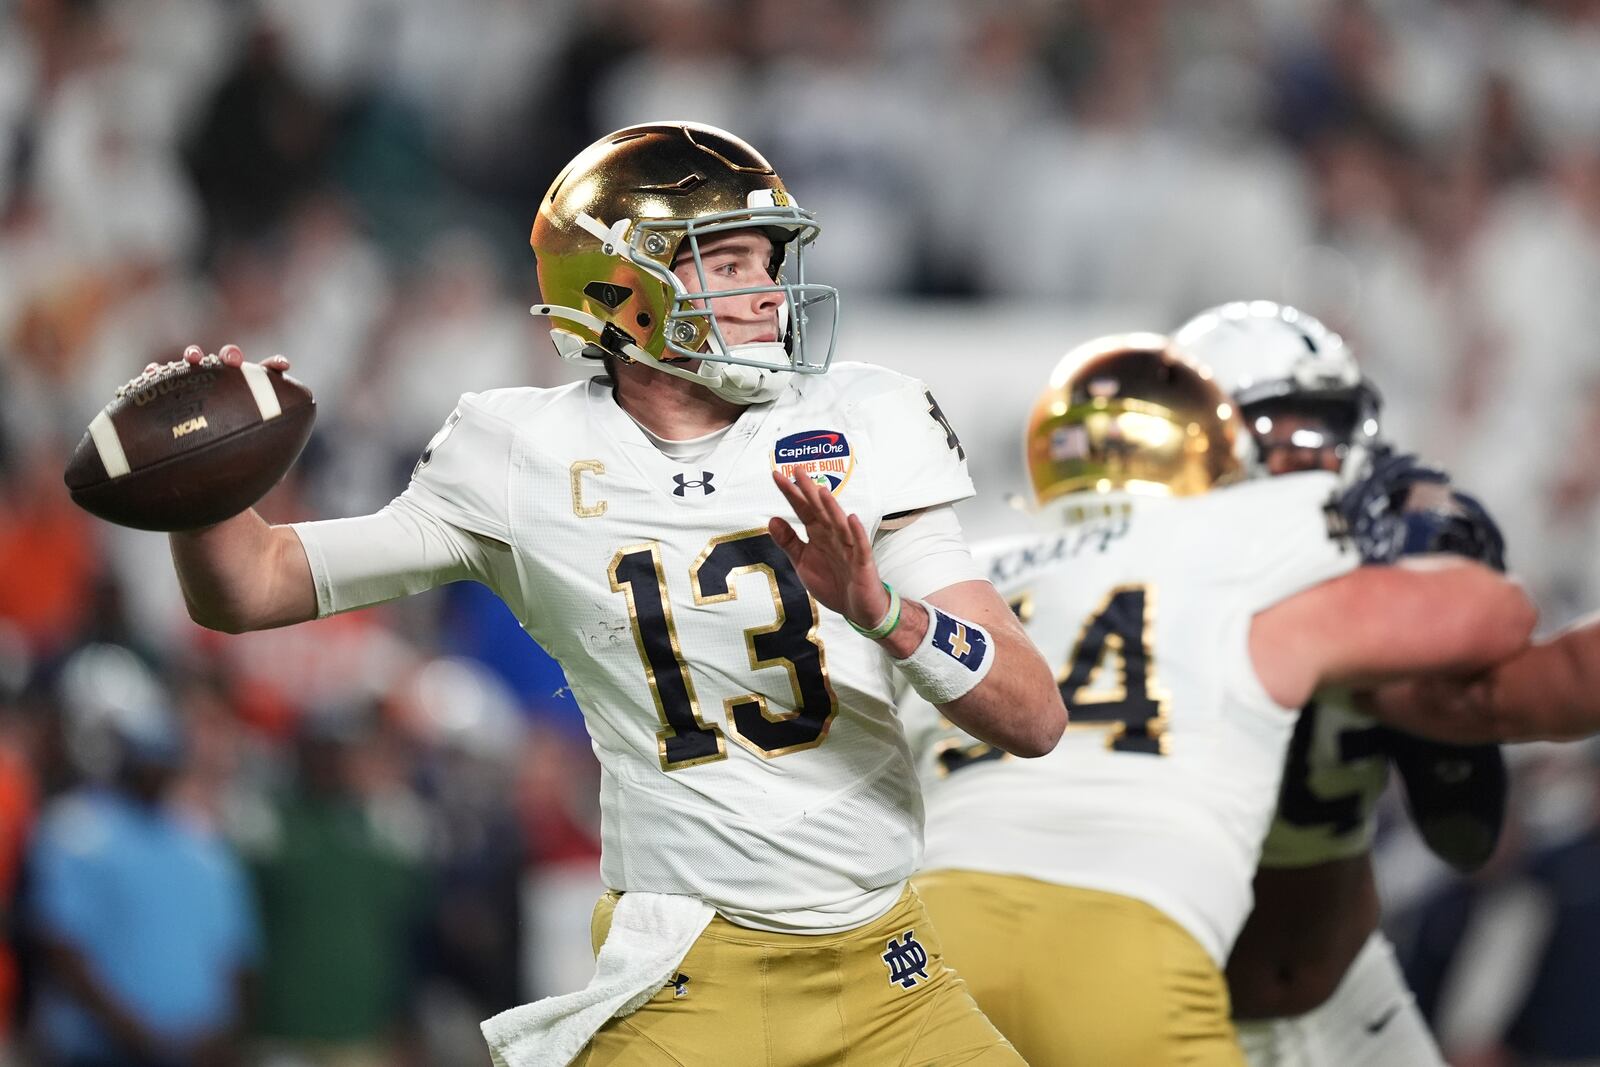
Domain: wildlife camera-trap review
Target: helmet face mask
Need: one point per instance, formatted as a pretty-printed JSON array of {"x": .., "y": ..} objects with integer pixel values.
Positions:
[
  {"x": 1309, "y": 431},
  {"x": 643, "y": 200},
  {"x": 1283, "y": 365},
  {"x": 693, "y": 330}
]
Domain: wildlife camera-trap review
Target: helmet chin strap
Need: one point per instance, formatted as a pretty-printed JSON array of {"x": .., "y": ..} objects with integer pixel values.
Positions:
[{"x": 733, "y": 382}]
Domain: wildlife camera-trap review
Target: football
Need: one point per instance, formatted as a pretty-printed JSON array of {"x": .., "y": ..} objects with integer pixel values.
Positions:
[{"x": 187, "y": 445}]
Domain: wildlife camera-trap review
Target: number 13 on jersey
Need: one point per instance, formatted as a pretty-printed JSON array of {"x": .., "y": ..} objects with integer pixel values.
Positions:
[{"x": 685, "y": 739}]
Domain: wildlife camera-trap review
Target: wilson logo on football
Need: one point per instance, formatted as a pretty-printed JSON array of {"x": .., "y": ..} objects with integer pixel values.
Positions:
[{"x": 824, "y": 456}]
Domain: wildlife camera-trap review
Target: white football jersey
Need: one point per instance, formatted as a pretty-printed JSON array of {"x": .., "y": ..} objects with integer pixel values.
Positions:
[
  {"x": 1166, "y": 779},
  {"x": 749, "y": 747},
  {"x": 1335, "y": 772}
]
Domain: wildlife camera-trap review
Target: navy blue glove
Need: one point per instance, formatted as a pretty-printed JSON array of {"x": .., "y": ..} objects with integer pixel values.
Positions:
[
  {"x": 1373, "y": 509},
  {"x": 1471, "y": 532},
  {"x": 1456, "y": 793}
]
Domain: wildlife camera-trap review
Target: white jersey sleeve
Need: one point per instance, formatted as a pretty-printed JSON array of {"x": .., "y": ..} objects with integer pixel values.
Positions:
[
  {"x": 401, "y": 550},
  {"x": 448, "y": 526},
  {"x": 923, "y": 460},
  {"x": 925, "y": 555},
  {"x": 462, "y": 476}
]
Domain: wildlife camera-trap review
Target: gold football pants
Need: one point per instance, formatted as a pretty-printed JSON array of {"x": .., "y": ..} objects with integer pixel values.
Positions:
[
  {"x": 1078, "y": 978},
  {"x": 877, "y": 996}
]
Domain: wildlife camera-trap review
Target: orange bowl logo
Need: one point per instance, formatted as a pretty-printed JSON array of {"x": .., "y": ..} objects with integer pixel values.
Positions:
[{"x": 824, "y": 456}]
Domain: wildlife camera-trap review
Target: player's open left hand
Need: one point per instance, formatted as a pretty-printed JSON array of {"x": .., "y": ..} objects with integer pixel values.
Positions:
[{"x": 835, "y": 560}]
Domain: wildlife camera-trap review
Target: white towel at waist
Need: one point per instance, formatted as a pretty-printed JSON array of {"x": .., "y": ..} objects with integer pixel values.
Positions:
[{"x": 649, "y": 936}]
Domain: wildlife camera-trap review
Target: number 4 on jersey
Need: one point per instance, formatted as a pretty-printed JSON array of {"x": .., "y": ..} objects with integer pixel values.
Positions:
[
  {"x": 1132, "y": 706},
  {"x": 1132, "y": 709}
]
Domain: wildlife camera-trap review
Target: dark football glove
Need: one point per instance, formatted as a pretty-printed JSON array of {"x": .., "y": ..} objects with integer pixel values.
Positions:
[
  {"x": 1373, "y": 509},
  {"x": 1456, "y": 793},
  {"x": 1467, "y": 530}
]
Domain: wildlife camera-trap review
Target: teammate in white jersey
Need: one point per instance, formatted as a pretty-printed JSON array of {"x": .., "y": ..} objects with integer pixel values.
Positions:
[
  {"x": 642, "y": 527},
  {"x": 1091, "y": 897},
  {"x": 1313, "y": 980}
]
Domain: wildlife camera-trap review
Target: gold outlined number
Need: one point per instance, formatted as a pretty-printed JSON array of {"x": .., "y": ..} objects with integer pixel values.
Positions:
[
  {"x": 790, "y": 642},
  {"x": 1133, "y": 710},
  {"x": 684, "y": 740}
]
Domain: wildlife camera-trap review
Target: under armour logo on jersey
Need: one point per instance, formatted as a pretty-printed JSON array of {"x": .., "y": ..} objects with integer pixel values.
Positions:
[
  {"x": 703, "y": 483},
  {"x": 680, "y": 985},
  {"x": 907, "y": 960}
]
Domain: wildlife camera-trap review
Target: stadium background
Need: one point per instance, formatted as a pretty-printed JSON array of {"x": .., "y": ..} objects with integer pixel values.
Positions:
[{"x": 350, "y": 183}]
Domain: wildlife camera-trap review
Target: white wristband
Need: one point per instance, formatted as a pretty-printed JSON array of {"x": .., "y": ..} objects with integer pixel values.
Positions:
[{"x": 954, "y": 656}]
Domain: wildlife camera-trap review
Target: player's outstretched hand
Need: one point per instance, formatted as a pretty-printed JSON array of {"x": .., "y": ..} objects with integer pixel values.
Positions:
[
  {"x": 1453, "y": 710},
  {"x": 835, "y": 561},
  {"x": 231, "y": 356}
]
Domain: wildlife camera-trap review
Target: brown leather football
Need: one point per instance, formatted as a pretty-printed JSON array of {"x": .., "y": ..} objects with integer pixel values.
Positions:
[{"x": 187, "y": 445}]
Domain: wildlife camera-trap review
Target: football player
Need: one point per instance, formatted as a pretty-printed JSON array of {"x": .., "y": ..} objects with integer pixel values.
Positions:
[
  {"x": 1091, "y": 897},
  {"x": 761, "y": 812},
  {"x": 1314, "y": 982}
]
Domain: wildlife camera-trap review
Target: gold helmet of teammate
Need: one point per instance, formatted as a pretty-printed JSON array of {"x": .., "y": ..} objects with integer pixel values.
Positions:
[
  {"x": 636, "y": 202},
  {"x": 1131, "y": 414}
]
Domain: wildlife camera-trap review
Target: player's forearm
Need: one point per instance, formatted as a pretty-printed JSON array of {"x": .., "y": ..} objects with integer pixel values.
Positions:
[
  {"x": 1017, "y": 706},
  {"x": 1545, "y": 693},
  {"x": 1500, "y": 631},
  {"x": 243, "y": 574},
  {"x": 1549, "y": 692}
]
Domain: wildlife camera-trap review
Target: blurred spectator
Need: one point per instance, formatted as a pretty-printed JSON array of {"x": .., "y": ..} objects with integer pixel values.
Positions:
[
  {"x": 1504, "y": 964},
  {"x": 47, "y": 554},
  {"x": 474, "y": 740},
  {"x": 19, "y": 788},
  {"x": 265, "y": 139},
  {"x": 143, "y": 923},
  {"x": 338, "y": 866},
  {"x": 454, "y": 307}
]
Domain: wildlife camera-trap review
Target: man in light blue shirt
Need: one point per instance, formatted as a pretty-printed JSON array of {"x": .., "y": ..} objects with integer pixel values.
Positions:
[{"x": 145, "y": 923}]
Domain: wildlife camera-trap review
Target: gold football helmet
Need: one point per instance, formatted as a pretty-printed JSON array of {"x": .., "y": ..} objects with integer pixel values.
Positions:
[
  {"x": 1131, "y": 414},
  {"x": 619, "y": 216}
]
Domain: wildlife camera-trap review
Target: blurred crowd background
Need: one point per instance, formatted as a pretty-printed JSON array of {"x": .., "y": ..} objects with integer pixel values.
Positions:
[{"x": 379, "y": 828}]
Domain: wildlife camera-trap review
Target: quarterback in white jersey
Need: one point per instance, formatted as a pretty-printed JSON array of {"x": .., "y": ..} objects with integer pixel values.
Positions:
[
  {"x": 760, "y": 807},
  {"x": 713, "y": 687},
  {"x": 1314, "y": 981},
  {"x": 1175, "y": 596}
]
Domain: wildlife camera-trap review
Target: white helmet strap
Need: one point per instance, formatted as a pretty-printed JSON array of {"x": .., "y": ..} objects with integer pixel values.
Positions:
[
  {"x": 610, "y": 239},
  {"x": 733, "y": 382}
]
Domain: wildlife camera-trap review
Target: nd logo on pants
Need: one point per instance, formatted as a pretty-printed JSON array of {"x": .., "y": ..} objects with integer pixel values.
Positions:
[{"x": 877, "y": 995}]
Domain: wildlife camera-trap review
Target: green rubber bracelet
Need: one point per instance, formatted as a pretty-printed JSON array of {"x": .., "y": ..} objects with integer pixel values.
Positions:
[{"x": 890, "y": 620}]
